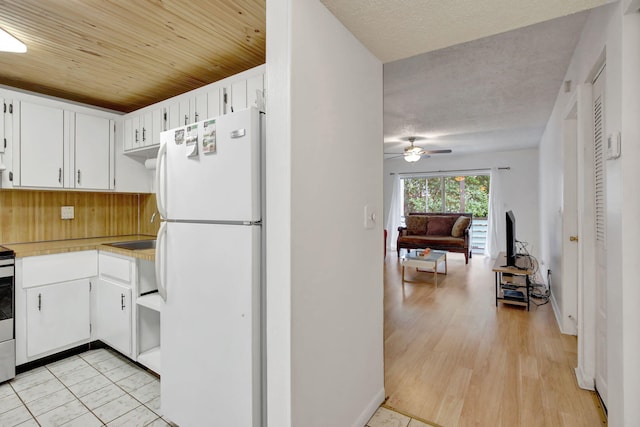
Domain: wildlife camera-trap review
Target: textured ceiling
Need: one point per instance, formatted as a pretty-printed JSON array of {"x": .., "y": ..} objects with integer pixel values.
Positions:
[
  {"x": 490, "y": 94},
  {"x": 396, "y": 29}
]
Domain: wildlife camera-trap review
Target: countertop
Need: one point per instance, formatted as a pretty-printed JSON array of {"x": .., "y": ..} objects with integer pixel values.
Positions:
[{"x": 75, "y": 245}]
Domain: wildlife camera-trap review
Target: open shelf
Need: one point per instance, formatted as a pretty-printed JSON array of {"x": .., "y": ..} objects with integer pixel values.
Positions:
[
  {"x": 151, "y": 359},
  {"x": 151, "y": 301}
]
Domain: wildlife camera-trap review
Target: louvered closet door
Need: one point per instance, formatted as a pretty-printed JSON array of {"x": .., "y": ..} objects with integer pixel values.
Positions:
[{"x": 600, "y": 228}]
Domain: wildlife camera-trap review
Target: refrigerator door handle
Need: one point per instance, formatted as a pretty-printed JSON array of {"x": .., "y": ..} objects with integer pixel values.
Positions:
[
  {"x": 162, "y": 207},
  {"x": 162, "y": 289}
]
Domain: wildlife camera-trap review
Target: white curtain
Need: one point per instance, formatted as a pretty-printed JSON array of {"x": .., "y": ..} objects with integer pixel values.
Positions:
[
  {"x": 495, "y": 230},
  {"x": 395, "y": 215}
]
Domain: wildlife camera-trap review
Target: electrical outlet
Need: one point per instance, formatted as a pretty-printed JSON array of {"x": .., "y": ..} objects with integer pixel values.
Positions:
[{"x": 67, "y": 212}]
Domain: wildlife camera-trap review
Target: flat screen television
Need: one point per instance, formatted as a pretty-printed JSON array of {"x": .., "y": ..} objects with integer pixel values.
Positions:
[{"x": 511, "y": 239}]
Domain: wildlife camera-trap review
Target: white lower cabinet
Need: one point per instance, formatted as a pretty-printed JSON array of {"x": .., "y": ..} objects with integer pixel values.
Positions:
[
  {"x": 57, "y": 316},
  {"x": 66, "y": 300},
  {"x": 113, "y": 315}
]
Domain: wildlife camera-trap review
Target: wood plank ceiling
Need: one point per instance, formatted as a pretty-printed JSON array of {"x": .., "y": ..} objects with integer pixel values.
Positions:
[{"x": 127, "y": 54}]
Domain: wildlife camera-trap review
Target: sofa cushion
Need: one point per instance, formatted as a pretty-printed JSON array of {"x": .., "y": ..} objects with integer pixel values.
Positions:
[
  {"x": 440, "y": 225},
  {"x": 434, "y": 242},
  {"x": 416, "y": 224},
  {"x": 460, "y": 225}
]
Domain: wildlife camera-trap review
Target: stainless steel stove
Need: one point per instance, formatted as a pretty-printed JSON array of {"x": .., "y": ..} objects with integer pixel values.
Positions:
[{"x": 7, "y": 305}]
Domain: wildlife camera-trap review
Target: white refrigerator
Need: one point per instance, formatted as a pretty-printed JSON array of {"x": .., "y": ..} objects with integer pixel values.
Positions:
[{"x": 208, "y": 264}]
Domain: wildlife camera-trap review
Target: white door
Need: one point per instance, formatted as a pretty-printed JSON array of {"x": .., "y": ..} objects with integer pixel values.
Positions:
[
  {"x": 223, "y": 185},
  {"x": 214, "y": 102},
  {"x": 568, "y": 300},
  {"x": 238, "y": 96},
  {"x": 600, "y": 228},
  {"x": 157, "y": 126},
  {"x": 146, "y": 126},
  {"x": 210, "y": 324},
  {"x": 113, "y": 315},
  {"x": 57, "y": 316},
  {"x": 128, "y": 134},
  {"x": 255, "y": 85},
  {"x": 41, "y": 146},
  {"x": 93, "y": 152},
  {"x": 200, "y": 107},
  {"x": 185, "y": 111}
]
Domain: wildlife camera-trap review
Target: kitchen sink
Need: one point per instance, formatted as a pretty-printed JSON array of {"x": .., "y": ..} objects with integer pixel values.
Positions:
[{"x": 134, "y": 245}]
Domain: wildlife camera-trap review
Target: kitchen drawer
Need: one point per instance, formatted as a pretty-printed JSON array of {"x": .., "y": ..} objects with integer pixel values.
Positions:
[
  {"x": 46, "y": 269},
  {"x": 115, "y": 267}
]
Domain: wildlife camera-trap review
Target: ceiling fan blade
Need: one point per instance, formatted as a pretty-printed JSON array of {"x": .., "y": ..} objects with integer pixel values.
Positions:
[
  {"x": 393, "y": 156},
  {"x": 447, "y": 151}
]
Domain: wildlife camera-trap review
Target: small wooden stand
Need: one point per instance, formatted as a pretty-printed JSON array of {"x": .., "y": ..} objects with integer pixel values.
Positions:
[{"x": 514, "y": 280}]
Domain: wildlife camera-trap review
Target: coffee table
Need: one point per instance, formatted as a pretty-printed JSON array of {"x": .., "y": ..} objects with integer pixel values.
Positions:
[{"x": 429, "y": 262}]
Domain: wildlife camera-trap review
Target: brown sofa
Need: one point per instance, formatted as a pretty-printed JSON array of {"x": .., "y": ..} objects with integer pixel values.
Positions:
[{"x": 440, "y": 231}]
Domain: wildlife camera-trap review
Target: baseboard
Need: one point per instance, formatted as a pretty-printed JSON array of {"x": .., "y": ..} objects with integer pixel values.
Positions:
[
  {"x": 370, "y": 409},
  {"x": 584, "y": 381},
  {"x": 556, "y": 312}
]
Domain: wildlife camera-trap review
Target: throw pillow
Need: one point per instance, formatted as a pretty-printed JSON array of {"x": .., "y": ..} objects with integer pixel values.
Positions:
[
  {"x": 440, "y": 225},
  {"x": 416, "y": 225},
  {"x": 460, "y": 225}
]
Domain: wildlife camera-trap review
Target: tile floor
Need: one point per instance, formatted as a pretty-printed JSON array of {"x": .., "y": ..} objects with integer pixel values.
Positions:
[
  {"x": 385, "y": 417},
  {"x": 102, "y": 388},
  {"x": 96, "y": 388}
]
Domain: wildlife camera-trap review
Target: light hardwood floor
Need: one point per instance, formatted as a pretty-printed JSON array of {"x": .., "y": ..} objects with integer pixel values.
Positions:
[{"x": 453, "y": 358}]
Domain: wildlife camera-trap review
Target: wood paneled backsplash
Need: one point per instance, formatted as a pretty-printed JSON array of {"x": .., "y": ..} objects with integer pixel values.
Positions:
[
  {"x": 147, "y": 209},
  {"x": 34, "y": 216}
]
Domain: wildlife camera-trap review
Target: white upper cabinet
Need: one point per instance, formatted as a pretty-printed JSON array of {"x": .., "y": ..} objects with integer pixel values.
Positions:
[
  {"x": 51, "y": 146},
  {"x": 191, "y": 109},
  {"x": 6, "y": 142},
  {"x": 3, "y": 137},
  {"x": 143, "y": 129},
  {"x": 94, "y": 140},
  {"x": 242, "y": 94},
  {"x": 41, "y": 145}
]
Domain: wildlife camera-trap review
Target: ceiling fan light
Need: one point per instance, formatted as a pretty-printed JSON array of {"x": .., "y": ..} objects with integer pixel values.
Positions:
[
  {"x": 8, "y": 43},
  {"x": 412, "y": 157}
]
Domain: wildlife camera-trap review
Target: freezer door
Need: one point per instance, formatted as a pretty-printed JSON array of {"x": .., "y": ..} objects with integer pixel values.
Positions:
[
  {"x": 210, "y": 325},
  {"x": 220, "y": 179}
]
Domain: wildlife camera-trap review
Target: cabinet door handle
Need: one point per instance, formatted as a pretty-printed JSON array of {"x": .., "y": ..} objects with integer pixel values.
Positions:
[
  {"x": 186, "y": 119},
  {"x": 122, "y": 301},
  {"x": 144, "y": 134},
  {"x": 60, "y": 175},
  {"x": 196, "y": 116},
  {"x": 137, "y": 136},
  {"x": 39, "y": 302},
  {"x": 78, "y": 176}
]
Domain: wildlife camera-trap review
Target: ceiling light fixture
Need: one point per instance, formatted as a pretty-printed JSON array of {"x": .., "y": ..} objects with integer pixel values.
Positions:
[
  {"x": 412, "y": 153},
  {"x": 412, "y": 157},
  {"x": 8, "y": 43}
]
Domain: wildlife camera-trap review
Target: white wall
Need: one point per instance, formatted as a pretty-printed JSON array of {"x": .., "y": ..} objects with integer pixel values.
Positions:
[
  {"x": 606, "y": 32},
  {"x": 630, "y": 298},
  {"x": 324, "y": 269},
  {"x": 520, "y": 184}
]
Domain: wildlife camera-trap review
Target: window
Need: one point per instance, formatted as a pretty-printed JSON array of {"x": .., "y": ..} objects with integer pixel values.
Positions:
[
  {"x": 461, "y": 193},
  {"x": 450, "y": 193}
]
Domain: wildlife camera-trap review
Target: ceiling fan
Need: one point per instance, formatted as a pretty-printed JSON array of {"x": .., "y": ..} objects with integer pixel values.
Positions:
[{"x": 413, "y": 153}]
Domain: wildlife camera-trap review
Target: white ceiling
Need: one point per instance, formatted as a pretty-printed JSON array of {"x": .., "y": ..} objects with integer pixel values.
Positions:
[
  {"x": 491, "y": 94},
  {"x": 396, "y": 29},
  {"x": 490, "y": 75}
]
